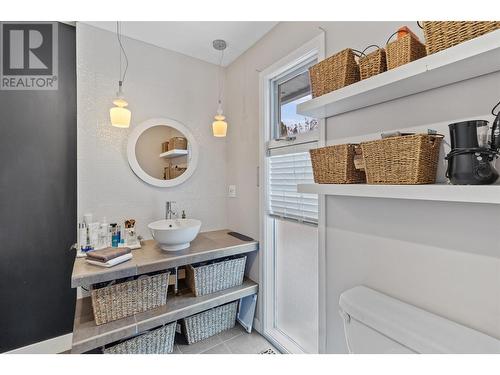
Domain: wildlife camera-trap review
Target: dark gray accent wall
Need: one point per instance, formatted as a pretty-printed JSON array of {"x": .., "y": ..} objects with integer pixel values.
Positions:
[{"x": 38, "y": 206}]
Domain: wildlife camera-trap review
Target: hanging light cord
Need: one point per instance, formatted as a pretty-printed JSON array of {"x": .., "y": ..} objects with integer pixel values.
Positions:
[
  {"x": 221, "y": 83},
  {"x": 122, "y": 50}
]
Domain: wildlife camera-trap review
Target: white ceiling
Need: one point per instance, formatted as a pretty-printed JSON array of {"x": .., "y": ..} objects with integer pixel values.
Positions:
[{"x": 194, "y": 38}]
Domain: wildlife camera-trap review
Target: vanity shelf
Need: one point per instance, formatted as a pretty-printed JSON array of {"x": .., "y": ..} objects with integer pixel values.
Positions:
[
  {"x": 150, "y": 258},
  {"x": 467, "y": 60},
  {"x": 87, "y": 335},
  {"x": 173, "y": 154},
  {"x": 434, "y": 192}
]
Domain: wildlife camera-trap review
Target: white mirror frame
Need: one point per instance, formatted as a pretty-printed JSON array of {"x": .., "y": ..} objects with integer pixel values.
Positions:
[{"x": 134, "y": 164}]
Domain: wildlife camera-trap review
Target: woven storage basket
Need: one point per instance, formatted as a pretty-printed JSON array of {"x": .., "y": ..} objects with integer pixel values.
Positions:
[
  {"x": 211, "y": 322},
  {"x": 334, "y": 73},
  {"x": 157, "y": 341},
  {"x": 118, "y": 301},
  {"x": 177, "y": 143},
  {"x": 176, "y": 171},
  {"x": 440, "y": 35},
  {"x": 404, "y": 50},
  {"x": 217, "y": 276},
  {"x": 372, "y": 63},
  {"x": 335, "y": 165},
  {"x": 405, "y": 160}
]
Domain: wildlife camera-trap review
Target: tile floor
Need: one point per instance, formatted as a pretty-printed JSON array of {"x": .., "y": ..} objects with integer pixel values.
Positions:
[{"x": 233, "y": 341}]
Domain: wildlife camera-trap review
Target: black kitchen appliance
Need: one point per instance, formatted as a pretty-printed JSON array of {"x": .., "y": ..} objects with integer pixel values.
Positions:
[{"x": 472, "y": 153}]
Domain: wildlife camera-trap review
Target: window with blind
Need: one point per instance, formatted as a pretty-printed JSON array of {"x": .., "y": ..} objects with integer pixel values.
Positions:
[{"x": 285, "y": 172}]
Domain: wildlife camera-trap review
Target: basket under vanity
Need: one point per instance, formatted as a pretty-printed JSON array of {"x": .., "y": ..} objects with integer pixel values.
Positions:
[{"x": 182, "y": 303}]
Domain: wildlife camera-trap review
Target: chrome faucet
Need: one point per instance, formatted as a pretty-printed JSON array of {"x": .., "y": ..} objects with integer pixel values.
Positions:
[{"x": 168, "y": 210}]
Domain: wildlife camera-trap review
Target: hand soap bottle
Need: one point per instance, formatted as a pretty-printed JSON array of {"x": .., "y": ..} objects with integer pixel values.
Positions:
[{"x": 115, "y": 235}]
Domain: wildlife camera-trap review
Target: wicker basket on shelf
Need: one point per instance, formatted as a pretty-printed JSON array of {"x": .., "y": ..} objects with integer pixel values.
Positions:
[
  {"x": 333, "y": 73},
  {"x": 335, "y": 165},
  {"x": 213, "y": 277},
  {"x": 403, "y": 50},
  {"x": 177, "y": 143},
  {"x": 372, "y": 63},
  {"x": 440, "y": 35},
  {"x": 175, "y": 171},
  {"x": 156, "y": 341},
  {"x": 404, "y": 160},
  {"x": 209, "y": 323},
  {"x": 117, "y": 301}
]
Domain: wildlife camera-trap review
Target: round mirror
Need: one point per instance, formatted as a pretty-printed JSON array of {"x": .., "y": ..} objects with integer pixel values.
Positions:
[{"x": 162, "y": 152}]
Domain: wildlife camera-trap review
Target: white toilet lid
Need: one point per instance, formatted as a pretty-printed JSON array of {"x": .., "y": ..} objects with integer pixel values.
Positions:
[{"x": 413, "y": 327}]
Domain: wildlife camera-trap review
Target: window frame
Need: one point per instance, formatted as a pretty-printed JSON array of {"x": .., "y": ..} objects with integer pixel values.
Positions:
[
  {"x": 275, "y": 102},
  {"x": 275, "y": 72}
]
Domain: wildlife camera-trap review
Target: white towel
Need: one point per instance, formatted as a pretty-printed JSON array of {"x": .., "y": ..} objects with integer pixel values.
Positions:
[{"x": 112, "y": 262}]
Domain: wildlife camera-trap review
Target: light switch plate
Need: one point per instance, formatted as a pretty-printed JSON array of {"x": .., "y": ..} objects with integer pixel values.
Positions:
[{"x": 231, "y": 191}]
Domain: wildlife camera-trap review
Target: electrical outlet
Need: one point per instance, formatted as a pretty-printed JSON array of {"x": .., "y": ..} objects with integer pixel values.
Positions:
[{"x": 231, "y": 191}]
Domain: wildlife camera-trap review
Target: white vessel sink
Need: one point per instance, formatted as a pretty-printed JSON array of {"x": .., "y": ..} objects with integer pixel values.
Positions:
[{"x": 174, "y": 234}]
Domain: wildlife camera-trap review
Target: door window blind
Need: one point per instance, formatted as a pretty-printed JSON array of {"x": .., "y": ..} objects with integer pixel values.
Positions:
[{"x": 285, "y": 173}]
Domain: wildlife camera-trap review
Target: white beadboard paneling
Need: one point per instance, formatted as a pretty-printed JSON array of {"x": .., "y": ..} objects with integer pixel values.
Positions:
[{"x": 159, "y": 83}]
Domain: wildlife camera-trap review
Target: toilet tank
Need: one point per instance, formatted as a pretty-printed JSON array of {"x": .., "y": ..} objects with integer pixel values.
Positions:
[{"x": 377, "y": 323}]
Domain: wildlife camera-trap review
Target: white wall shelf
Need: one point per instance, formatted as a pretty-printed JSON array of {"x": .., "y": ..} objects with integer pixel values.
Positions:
[
  {"x": 173, "y": 154},
  {"x": 467, "y": 60},
  {"x": 436, "y": 192}
]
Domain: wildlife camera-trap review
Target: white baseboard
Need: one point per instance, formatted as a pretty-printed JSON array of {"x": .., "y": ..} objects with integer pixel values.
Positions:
[{"x": 51, "y": 346}]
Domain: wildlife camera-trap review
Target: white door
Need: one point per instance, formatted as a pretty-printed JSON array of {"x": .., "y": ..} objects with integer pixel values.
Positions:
[{"x": 289, "y": 243}]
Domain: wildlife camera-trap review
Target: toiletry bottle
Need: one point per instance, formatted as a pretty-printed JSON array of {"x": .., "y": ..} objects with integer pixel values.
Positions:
[
  {"x": 109, "y": 238},
  {"x": 114, "y": 235},
  {"x": 87, "y": 237},
  {"x": 104, "y": 234},
  {"x": 94, "y": 230},
  {"x": 119, "y": 233},
  {"x": 123, "y": 234},
  {"x": 81, "y": 239},
  {"x": 80, "y": 236},
  {"x": 183, "y": 215}
]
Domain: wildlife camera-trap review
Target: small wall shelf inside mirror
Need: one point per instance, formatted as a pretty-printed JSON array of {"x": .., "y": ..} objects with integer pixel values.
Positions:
[{"x": 173, "y": 154}]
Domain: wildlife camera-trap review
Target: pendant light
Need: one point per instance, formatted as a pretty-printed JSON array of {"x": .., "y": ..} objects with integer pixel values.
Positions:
[
  {"x": 120, "y": 116},
  {"x": 219, "y": 126}
]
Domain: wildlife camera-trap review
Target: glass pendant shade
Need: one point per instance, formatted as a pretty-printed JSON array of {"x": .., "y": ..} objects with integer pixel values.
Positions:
[
  {"x": 120, "y": 116},
  {"x": 219, "y": 126}
]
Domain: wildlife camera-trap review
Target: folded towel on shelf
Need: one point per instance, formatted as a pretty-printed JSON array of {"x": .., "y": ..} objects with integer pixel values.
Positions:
[
  {"x": 111, "y": 262},
  {"x": 105, "y": 255}
]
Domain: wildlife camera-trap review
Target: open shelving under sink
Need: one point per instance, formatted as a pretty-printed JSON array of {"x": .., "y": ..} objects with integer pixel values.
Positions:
[
  {"x": 87, "y": 335},
  {"x": 175, "y": 153},
  {"x": 467, "y": 60},
  {"x": 149, "y": 258},
  {"x": 432, "y": 192}
]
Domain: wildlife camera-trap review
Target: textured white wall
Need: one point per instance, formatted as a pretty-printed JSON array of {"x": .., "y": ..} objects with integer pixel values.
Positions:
[
  {"x": 242, "y": 104},
  {"x": 159, "y": 83},
  {"x": 442, "y": 257}
]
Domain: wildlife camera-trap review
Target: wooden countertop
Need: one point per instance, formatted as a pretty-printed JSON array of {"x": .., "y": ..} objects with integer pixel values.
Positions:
[{"x": 150, "y": 258}]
